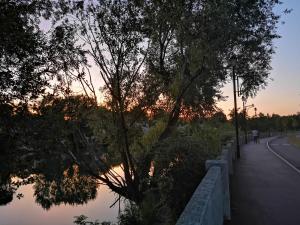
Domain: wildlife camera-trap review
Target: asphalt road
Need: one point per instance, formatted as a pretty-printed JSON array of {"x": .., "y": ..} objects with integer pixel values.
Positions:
[
  {"x": 288, "y": 151},
  {"x": 264, "y": 189}
]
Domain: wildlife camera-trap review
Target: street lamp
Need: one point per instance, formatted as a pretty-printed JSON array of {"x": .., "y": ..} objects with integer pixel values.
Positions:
[
  {"x": 234, "y": 79},
  {"x": 244, "y": 99}
]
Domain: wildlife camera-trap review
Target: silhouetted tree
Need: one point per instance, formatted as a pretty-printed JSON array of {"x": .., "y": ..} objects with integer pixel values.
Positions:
[
  {"x": 169, "y": 55},
  {"x": 22, "y": 52}
]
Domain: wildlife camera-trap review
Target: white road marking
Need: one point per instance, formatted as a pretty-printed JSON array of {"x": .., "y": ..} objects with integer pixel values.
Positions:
[
  {"x": 284, "y": 144},
  {"x": 283, "y": 159}
]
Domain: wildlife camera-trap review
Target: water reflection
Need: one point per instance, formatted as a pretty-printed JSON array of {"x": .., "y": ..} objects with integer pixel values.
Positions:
[
  {"x": 40, "y": 186},
  {"x": 6, "y": 189},
  {"x": 71, "y": 188}
]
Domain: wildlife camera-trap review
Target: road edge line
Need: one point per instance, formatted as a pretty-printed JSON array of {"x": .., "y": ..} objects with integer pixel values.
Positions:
[{"x": 283, "y": 159}]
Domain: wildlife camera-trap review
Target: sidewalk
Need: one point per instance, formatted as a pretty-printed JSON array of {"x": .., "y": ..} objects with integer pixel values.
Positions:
[{"x": 264, "y": 190}]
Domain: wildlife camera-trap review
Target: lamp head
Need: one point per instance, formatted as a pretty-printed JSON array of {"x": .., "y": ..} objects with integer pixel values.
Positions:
[{"x": 244, "y": 99}]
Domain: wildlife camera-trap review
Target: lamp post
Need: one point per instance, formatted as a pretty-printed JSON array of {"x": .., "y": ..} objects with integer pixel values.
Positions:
[
  {"x": 244, "y": 99},
  {"x": 234, "y": 79}
]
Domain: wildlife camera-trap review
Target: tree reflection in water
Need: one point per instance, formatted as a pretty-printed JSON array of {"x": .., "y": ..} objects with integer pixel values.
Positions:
[
  {"x": 6, "y": 189},
  {"x": 7, "y": 186},
  {"x": 71, "y": 188},
  {"x": 54, "y": 181}
]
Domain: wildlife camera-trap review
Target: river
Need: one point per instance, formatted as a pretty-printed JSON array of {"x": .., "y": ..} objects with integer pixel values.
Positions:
[{"x": 52, "y": 195}]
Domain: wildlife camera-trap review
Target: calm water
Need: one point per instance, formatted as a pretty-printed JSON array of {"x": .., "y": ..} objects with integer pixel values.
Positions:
[{"x": 56, "y": 193}]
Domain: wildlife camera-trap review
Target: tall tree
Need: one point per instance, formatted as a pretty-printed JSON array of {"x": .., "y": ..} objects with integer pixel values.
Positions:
[
  {"x": 112, "y": 37},
  {"x": 252, "y": 34},
  {"x": 168, "y": 55},
  {"x": 30, "y": 55},
  {"x": 21, "y": 50}
]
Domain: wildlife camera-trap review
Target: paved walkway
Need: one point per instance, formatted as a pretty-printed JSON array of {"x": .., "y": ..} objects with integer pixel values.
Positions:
[{"x": 265, "y": 190}]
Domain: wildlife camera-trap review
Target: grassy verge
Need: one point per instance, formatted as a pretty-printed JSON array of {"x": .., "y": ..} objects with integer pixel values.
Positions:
[{"x": 294, "y": 139}]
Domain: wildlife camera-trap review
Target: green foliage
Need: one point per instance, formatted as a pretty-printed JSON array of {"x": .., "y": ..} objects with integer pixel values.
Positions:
[
  {"x": 59, "y": 122},
  {"x": 130, "y": 215},
  {"x": 33, "y": 58},
  {"x": 151, "y": 137},
  {"x": 178, "y": 167},
  {"x": 208, "y": 136},
  {"x": 52, "y": 125},
  {"x": 21, "y": 50},
  {"x": 145, "y": 142}
]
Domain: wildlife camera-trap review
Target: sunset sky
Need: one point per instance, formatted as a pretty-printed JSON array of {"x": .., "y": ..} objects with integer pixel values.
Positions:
[{"x": 282, "y": 95}]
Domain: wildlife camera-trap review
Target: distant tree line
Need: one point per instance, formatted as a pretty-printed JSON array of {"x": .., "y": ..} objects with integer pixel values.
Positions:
[
  {"x": 267, "y": 123},
  {"x": 274, "y": 122}
]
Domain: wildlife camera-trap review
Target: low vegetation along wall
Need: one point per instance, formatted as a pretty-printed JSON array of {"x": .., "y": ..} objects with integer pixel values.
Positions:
[{"x": 210, "y": 203}]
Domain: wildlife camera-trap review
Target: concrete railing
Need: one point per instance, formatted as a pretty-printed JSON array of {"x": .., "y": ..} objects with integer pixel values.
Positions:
[{"x": 210, "y": 203}]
